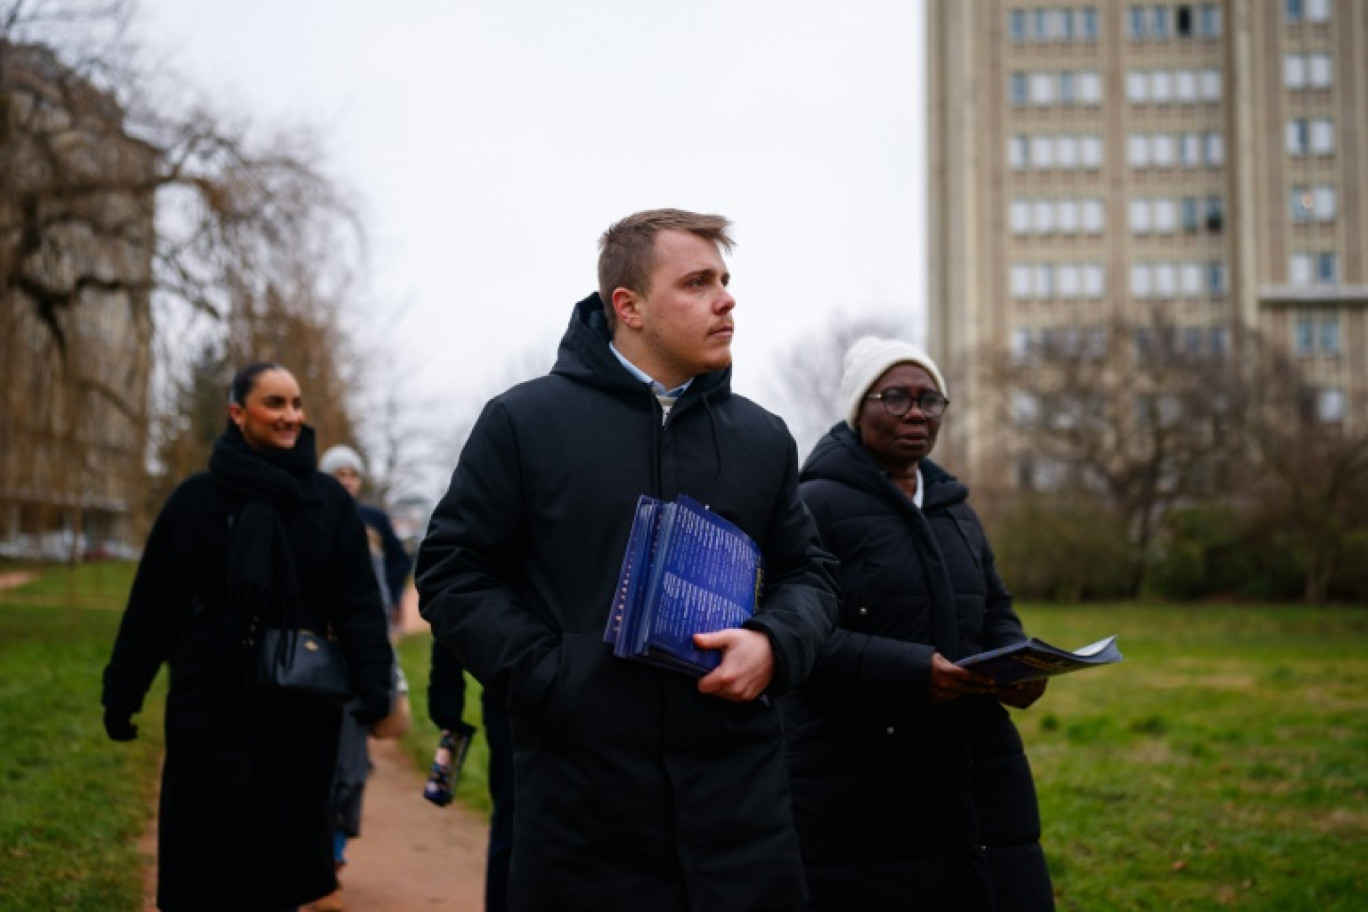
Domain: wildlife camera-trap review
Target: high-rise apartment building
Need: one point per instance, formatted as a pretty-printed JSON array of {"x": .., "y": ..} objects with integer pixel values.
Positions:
[{"x": 1094, "y": 162}]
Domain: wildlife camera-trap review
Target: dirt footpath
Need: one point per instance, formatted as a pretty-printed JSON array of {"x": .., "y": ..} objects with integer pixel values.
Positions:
[{"x": 412, "y": 855}]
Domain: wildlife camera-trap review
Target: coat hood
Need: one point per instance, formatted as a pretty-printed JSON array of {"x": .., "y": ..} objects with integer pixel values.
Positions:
[
  {"x": 584, "y": 356},
  {"x": 840, "y": 457}
]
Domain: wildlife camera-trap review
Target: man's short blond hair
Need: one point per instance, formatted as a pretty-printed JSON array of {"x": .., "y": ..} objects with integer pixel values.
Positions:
[{"x": 627, "y": 249}]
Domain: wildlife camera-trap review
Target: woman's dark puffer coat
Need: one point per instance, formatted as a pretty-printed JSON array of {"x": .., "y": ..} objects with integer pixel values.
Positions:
[{"x": 900, "y": 803}]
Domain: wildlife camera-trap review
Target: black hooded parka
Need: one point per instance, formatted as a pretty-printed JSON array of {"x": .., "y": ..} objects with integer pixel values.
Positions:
[
  {"x": 900, "y": 803},
  {"x": 634, "y": 790},
  {"x": 245, "y": 822}
]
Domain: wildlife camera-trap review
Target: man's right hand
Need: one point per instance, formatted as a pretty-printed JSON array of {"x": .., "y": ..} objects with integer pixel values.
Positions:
[{"x": 119, "y": 726}]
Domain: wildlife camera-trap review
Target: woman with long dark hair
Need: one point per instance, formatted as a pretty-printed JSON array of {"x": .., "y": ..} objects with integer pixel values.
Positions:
[{"x": 259, "y": 540}]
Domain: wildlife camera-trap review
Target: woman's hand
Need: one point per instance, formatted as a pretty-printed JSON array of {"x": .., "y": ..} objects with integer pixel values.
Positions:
[
  {"x": 950, "y": 682},
  {"x": 1022, "y": 695}
]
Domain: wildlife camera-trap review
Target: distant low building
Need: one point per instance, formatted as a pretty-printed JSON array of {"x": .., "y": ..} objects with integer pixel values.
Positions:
[{"x": 76, "y": 257}]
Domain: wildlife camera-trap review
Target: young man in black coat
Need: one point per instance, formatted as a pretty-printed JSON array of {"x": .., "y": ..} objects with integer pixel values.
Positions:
[{"x": 638, "y": 788}]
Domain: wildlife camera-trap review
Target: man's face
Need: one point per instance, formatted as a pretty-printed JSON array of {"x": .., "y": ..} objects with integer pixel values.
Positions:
[
  {"x": 686, "y": 314},
  {"x": 898, "y": 442},
  {"x": 273, "y": 413}
]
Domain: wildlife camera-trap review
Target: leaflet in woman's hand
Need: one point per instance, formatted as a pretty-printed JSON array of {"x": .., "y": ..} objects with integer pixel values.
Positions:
[{"x": 1032, "y": 659}]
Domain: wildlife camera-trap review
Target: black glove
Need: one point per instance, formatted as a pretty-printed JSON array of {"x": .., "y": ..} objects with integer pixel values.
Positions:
[
  {"x": 119, "y": 725},
  {"x": 371, "y": 707}
]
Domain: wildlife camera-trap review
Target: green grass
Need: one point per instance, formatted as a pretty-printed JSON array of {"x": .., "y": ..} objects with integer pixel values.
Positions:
[
  {"x": 72, "y": 803},
  {"x": 103, "y": 584},
  {"x": 1221, "y": 764}
]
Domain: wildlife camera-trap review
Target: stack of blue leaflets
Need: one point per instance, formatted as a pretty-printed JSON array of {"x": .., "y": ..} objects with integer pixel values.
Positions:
[{"x": 686, "y": 570}]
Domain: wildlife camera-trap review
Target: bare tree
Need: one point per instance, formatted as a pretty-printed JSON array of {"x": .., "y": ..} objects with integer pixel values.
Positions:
[
  {"x": 1308, "y": 476},
  {"x": 1130, "y": 412},
  {"x": 806, "y": 382},
  {"x": 118, "y": 216}
]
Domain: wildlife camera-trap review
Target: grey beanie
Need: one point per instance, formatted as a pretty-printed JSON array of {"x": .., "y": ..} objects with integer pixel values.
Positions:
[
  {"x": 867, "y": 359},
  {"x": 341, "y": 457}
]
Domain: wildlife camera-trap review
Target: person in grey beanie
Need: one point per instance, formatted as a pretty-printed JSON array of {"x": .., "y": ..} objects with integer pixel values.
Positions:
[{"x": 910, "y": 783}]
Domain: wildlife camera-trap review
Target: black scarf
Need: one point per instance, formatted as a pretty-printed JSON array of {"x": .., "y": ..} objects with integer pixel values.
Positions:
[{"x": 262, "y": 586}]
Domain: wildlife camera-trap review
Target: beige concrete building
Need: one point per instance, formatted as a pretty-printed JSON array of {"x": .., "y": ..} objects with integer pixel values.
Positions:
[
  {"x": 1096, "y": 161},
  {"x": 76, "y": 246}
]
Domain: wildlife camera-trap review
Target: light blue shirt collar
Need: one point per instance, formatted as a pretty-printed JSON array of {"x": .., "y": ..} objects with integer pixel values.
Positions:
[{"x": 656, "y": 387}]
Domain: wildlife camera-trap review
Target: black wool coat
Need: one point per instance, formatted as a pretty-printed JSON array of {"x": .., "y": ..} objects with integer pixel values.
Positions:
[
  {"x": 634, "y": 790},
  {"x": 245, "y": 820},
  {"x": 900, "y": 803}
]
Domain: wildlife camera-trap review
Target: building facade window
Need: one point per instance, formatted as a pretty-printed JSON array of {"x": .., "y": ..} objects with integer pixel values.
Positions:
[
  {"x": 1042, "y": 152},
  {"x": 1313, "y": 204},
  {"x": 1319, "y": 71},
  {"x": 1161, "y": 85},
  {"x": 1042, "y": 89},
  {"x": 1216, "y": 279},
  {"x": 1165, "y": 216},
  {"x": 1160, "y": 23},
  {"x": 1215, "y": 213},
  {"x": 1066, "y": 152},
  {"x": 1326, "y": 207},
  {"x": 1142, "y": 280},
  {"x": 1094, "y": 281},
  {"x": 1019, "y": 217},
  {"x": 1299, "y": 267},
  {"x": 1209, "y": 21},
  {"x": 1317, "y": 10},
  {"x": 1090, "y": 87},
  {"x": 1067, "y": 93},
  {"x": 1140, "y": 216},
  {"x": 1215, "y": 148},
  {"x": 1093, "y": 216},
  {"x": 1304, "y": 335},
  {"x": 1137, "y": 87},
  {"x": 1090, "y": 151},
  {"x": 1136, "y": 22},
  {"x": 1322, "y": 137},
  {"x": 1327, "y": 268},
  {"x": 1087, "y": 23},
  {"x": 1190, "y": 279},
  {"x": 1320, "y": 268},
  {"x": 1298, "y": 136},
  {"x": 1189, "y": 207},
  {"x": 1016, "y": 26},
  {"x": 1211, "y": 85},
  {"x": 1294, "y": 71},
  {"x": 1294, "y": 10},
  {"x": 1330, "y": 405},
  {"x": 1016, "y": 152},
  {"x": 1185, "y": 86},
  {"x": 1330, "y": 335},
  {"x": 1017, "y": 89},
  {"x": 1066, "y": 216}
]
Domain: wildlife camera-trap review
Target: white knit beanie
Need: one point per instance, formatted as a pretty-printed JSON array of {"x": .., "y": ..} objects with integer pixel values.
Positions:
[
  {"x": 341, "y": 457},
  {"x": 867, "y": 359}
]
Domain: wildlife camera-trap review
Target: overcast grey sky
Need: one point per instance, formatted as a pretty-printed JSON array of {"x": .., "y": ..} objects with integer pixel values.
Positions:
[{"x": 492, "y": 142}]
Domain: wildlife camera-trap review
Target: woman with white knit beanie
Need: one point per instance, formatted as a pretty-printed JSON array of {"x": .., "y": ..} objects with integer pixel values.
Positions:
[{"x": 910, "y": 784}]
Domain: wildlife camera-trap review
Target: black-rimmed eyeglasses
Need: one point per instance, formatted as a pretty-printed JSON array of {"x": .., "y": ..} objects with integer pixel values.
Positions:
[{"x": 898, "y": 401}]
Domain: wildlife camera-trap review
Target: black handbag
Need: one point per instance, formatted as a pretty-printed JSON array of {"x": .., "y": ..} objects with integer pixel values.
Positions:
[{"x": 301, "y": 663}]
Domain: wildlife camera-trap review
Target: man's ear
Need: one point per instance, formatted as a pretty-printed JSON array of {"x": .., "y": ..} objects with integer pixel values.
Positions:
[{"x": 627, "y": 306}]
